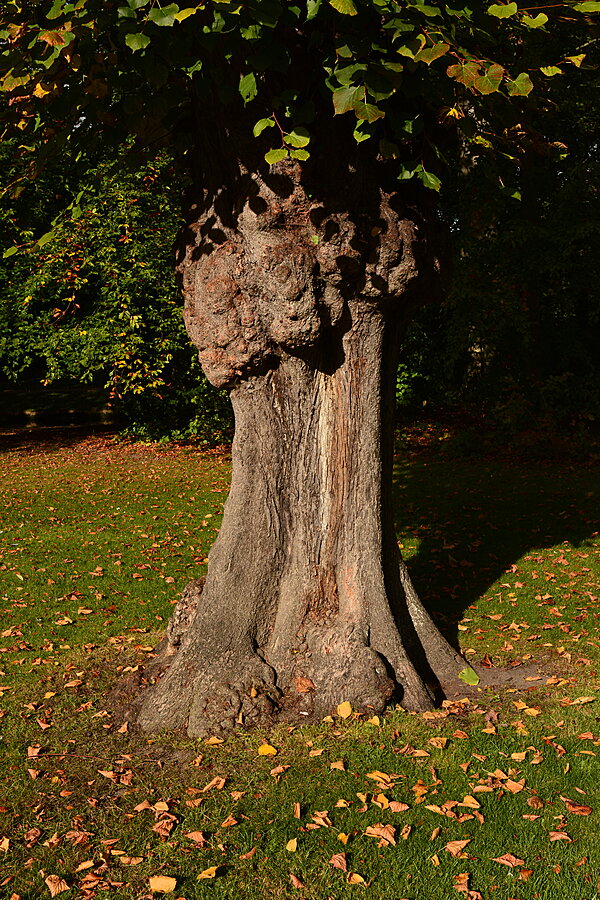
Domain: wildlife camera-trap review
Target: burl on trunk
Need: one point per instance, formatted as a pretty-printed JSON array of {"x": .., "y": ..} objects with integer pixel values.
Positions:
[{"x": 297, "y": 306}]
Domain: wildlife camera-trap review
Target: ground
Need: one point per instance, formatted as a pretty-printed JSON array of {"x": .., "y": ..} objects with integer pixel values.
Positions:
[{"x": 97, "y": 540}]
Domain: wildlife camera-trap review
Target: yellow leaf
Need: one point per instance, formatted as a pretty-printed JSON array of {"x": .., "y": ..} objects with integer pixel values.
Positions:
[
  {"x": 343, "y": 837},
  {"x": 162, "y": 884},
  {"x": 338, "y": 764},
  {"x": 355, "y": 878},
  {"x": 470, "y": 802},
  {"x": 266, "y": 750},
  {"x": 292, "y": 845},
  {"x": 435, "y": 859},
  {"x": 374, "y": 720},
  {"x": 208, "y": 873},
  {"x": 344, "y": 710},
  {"x": 214, "y": 740}
]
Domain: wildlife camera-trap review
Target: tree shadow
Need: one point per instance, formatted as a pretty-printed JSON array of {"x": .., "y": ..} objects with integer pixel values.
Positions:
[{"x": 475, "y": 517}]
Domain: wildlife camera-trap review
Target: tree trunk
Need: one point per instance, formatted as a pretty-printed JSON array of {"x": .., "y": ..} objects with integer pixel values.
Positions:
[{"x": 298, "y": 306}]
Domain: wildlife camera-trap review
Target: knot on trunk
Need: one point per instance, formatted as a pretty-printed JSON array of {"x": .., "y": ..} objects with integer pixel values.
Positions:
[{"x": 283, "y": 270}]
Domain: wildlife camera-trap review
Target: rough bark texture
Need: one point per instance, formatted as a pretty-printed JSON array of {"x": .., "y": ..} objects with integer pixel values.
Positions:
[{"x": 297, "y": 305}]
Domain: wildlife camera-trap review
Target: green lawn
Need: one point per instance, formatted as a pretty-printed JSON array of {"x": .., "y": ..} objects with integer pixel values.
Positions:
[{"x": 96, "y": 541}]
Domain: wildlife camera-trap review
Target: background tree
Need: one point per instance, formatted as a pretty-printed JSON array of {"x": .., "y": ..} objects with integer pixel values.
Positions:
[
  {"x": 97, "y": 303},
  {"x": 300, "y": 268}
]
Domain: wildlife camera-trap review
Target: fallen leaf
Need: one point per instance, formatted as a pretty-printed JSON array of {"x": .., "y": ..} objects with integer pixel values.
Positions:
[
  {"x": 266, "y": 750},
  {"x": 213, "y": 741},
  {"x": 296, "y": 881},
  {"x": 507, "y": 859},
  {"x": 338, "y": 860},
  {"x": 338, "y": 764},
  {"x": 229, "y": 822},
  {"x": 344, "y": 709},
  {"x": 387, "y": 832},
  {"x": 249, "y": 854},
  {"x": 128, "y": 860},
  {"x": 217, "y": 782},
  {"x": 470, "y": 802},
  {"x": 355, "y": 878},
  {"x": 578, "y": 809},
  {"x": 560, "y": 836},
  {"x": 197, "y": 837},
  {"x": 292, "y": 845},
  {"x": 343, "y": 837},
  {"x": 208, "y": 873},
  {"x": 56, "y": 885},
  {"x": 455, "y": 848}
]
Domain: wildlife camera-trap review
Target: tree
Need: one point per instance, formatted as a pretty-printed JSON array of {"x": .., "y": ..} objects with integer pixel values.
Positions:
[
  {"x": 300, "y": 267},
  {"x": 98, "y": 303}
]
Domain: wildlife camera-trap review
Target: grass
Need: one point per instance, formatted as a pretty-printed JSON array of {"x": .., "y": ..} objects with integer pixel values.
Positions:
[{"x": 97, "y": 540}]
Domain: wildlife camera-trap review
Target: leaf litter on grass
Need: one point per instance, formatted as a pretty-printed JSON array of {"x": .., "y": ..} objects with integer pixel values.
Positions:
[{"x": 480, "y": 797}]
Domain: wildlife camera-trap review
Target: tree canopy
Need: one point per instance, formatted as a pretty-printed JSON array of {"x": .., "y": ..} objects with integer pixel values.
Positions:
[{"x": 411, "y": 77}]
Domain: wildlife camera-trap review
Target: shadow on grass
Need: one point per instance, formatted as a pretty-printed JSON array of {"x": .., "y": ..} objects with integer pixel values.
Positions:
[
  {"x": 50, "y": 438},
  {"x": 473, "y": 518}
]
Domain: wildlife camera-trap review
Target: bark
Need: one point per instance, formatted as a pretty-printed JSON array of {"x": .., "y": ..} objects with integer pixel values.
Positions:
[{"x": 297, "y": 302}]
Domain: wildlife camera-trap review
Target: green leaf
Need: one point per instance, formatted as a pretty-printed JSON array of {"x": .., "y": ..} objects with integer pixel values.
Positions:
[
  {"x": 261, "y": 125},
  {"x": 56, "y": 10},
  {"x": 367, "y": 111},
  {"x": 274, "y": 156},
  {"x": 430, "y": 54},
  {"x": 45, "y": 239},
  {"x": 465, "y": 72},
  {"x": 344, "y": 98},
  {"x": 299, "y": 137},
  {"x": 588, "y": 6},
  {"x": 550, "y": 71},
  {"x": 502, "y": 10},
  {"x": 247, "y": 87},
  {"x": 576, "y": 60},
  {"x": 164, "y": 17},
  {"x": 520, "y": 86},
  {"x": 300, "y": 154},
  {"x": 469, "y": 676},
  {"x": 490, "y": 80},
  {"x": 346, "y": 7},
  {"x": 137, "y": 4},
  {"x": 432, "y": 182},
  {"x": 137, "y": 41},
  {"x": 535, "y": 22},
  {"x": 184, "y": 14},
  {"x": 312, "y": 7},
  {"x": 10, "y": 252}
]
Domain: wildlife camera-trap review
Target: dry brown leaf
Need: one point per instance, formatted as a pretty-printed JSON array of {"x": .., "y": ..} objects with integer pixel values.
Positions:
[
  {"x": 405, "y": 833},
  {"x": 396, "y": 806},
  {"x": 197, "y": 837},
  {"x": 297, "y": 812},
  {"x": 455, "y": 848},
  {"x": 249, "y": 854},
  {"x": 470, "y": 802},
  {"x": 461, "y": 882},
  {"x": 213, "y": 741},
  {"x": 560, "y": 836},
  {"x": 296, "y": 881},
  {"x": 338, "y": 764},
  {"x": 217, "y": 782},
  {"x": 439, "y": 742},
  {"x": 535, "y": 802},
  {"x": 130, "y": 860},
  {"x": 338, "y": 860},
  {"x": 56, "y": 885},
  {"x": 387, "y": 832},
  {"x": 507, "y": 859},
  {"x": 578, "y": 809},
  {"x": 304, "y": 685},
  {"x": 229, "y": 822}
]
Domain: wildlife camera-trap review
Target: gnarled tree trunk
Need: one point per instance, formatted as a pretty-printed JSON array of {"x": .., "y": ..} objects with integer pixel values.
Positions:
[{"x": 297, "y": 305}]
